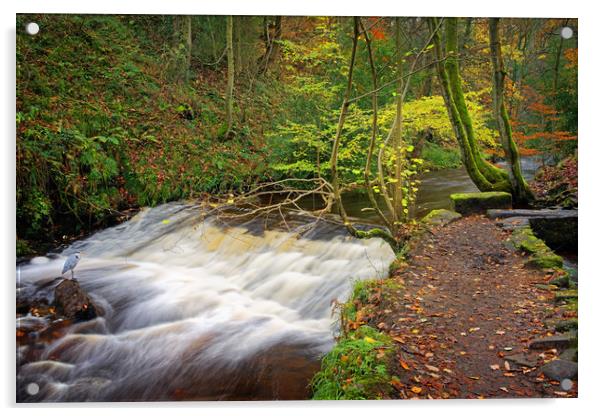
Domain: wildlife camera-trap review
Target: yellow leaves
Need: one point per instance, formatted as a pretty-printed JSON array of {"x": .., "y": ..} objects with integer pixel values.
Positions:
[
  {"x": 474, "y": 329},
  {"x": 165, "y": 221},
  {"x": 370, "y": 340},
  {"x": 416, "y": 389},
  {"x": 344, "y": 358}
]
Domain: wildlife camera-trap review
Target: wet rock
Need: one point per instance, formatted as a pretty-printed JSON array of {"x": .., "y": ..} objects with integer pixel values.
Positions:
[
  {"x": 559, "y": 232},
  {"x": 569, "y": 355},
  {"x": 480, "y": 202},
  {"x": 556, "y": 341},
  {"x": 521, "y": 360},
  {"x": 560, "y": 369},
  {"x": 72, "y": 302}
]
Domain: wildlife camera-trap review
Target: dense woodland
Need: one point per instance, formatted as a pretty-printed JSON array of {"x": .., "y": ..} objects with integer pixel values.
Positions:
[{"x": 119, "y": 112}]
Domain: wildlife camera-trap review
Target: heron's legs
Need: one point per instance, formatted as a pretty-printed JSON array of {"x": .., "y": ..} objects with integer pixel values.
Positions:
[{"x": 71, "y": 274}]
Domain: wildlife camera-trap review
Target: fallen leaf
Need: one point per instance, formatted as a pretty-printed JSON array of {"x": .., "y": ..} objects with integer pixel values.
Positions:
[
  {"x": 399, "y": 339},
  {"x": 369, "y": 340},
  {"x": 494, "y": 366},
  {"x": 431, "y": 368},
  {"x": 500, "y": 332},
  {"x": 507, "y": 365},
  {"x": 474, "y": 377},
  {"x": 474, "y": 329},
  {"x": 509, "y": 375},
  {"x": 404, "y": 365},
  {"x": 504, "y": 389},
  {"x": 416, "y": 389}
]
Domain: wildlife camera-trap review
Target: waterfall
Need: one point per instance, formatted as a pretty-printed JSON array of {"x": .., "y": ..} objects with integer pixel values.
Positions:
[{"x": 193, "y": 308}]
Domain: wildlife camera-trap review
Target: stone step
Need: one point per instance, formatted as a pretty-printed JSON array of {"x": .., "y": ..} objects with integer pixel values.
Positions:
[{"x": 532, "y": 213}]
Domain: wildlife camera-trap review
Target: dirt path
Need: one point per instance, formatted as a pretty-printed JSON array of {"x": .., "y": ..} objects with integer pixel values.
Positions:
[{"x": 468, "y": 306}]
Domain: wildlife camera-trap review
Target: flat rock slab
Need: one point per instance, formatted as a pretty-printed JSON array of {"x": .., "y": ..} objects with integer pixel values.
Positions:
[
  {"x": 560, "y": 370},
  {"x": 557, "y": 227},
  {"x": 532, "y": 213},
  {"x": 480, "y": 202},
  {"x": 555, "y": 341}
]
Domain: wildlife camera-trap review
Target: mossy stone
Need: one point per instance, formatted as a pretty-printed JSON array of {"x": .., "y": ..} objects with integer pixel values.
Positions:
[
  {"x": 541, "y": 256},
  {"x": 440, "y": 217},
  {"x": 480, "y": 202}
]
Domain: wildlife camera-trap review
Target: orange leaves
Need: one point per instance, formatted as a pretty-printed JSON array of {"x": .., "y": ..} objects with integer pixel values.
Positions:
[
  {"x": 416, "y": 389},
  {"x": 404, "y": 365},
  {"x": 571, "y": 55}
]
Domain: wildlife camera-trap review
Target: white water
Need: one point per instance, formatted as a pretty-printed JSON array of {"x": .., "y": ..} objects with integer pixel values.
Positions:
[{"x": 194, "y": 307}]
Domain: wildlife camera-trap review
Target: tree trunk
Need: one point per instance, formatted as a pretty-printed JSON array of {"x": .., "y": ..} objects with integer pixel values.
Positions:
[
  {"x": 376, "y": 232},
  {"x": 230, "y": 87},
  {"x": 520, "y": 189},
  {"x": 484, "y": 175},
  {"x": 188, "y": 45},
  {"x": 397, "y": 207},
  {"x": 238, "y": 61}
]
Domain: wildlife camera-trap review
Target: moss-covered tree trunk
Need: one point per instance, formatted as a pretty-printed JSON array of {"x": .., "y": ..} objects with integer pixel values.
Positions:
[
  {"x": 484, "y": 175},
  {"x": 520, "y": 190}
]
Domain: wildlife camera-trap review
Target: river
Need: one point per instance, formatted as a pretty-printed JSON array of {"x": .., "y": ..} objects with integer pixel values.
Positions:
[{"x": 196, "y": 309}]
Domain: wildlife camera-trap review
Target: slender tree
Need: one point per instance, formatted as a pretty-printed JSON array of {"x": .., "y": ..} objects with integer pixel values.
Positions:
[
  {"x": 188, "y": 35},
  {"x": 520, "y": 190},
  {"x": 230, "y": 86}
]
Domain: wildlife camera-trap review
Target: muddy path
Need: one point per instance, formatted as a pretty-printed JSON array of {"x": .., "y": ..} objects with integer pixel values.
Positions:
[{"x": 466, "y": 314}]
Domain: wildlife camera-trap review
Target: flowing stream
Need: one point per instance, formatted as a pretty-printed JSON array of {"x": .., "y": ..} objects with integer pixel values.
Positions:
[{"x": 196, "y": 309}]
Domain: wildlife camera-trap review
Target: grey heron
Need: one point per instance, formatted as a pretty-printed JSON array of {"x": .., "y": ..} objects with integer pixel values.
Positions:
[{"x": 71, "y": 262}]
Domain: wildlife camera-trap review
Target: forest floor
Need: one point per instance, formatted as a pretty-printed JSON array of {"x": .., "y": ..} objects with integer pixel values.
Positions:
[{"x": 468, "y": 310}]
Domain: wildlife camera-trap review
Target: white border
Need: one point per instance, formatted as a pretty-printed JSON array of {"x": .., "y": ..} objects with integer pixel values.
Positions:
[{"x": 590, "y": 150}]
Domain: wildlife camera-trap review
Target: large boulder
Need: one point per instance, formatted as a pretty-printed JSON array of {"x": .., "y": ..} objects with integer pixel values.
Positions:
[
  {"x": 560, "y": 370},
  {"x": 72, "y": 302},
  {"x": 480, "y": 202}
]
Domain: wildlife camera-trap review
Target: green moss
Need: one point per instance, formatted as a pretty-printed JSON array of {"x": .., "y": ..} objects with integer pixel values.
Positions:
[
  {"x": 541, "y": 255},
  {"x": 567, "y": 325},
  {"x": 479, "y": 202},
  {"x": 356, "y": 368},
  {"x": 565, "y": 295},
  {"x": 440, "y": 217}
]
